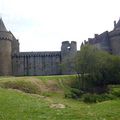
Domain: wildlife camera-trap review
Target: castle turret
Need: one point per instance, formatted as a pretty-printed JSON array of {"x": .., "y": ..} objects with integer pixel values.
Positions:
[
  {"x": 68, "y": 52},
  {"x": 5, "y": 50}
]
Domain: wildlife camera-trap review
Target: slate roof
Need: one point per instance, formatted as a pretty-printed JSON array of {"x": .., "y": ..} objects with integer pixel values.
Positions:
[{"x": 2, "y": 26}]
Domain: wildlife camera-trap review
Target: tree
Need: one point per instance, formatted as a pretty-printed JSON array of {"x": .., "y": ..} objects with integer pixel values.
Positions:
[
  {"x": 85, "y": 63},
  {"x": 96, "y": 68}
]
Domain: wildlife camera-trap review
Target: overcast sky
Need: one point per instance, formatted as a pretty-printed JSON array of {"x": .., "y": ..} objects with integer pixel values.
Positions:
[{"x": 41, "y": 25}]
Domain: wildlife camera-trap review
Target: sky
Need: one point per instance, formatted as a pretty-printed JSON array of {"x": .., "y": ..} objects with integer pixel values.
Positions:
[{"x": 42, "y": 25}]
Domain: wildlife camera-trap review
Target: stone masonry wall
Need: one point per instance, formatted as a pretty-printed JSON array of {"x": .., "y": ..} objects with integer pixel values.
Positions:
[{"x": 36, "y": 63}]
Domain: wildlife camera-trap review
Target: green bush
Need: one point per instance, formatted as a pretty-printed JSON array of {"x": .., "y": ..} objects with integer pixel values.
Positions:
[
  {"x": 93, "y": 98},
  {"x": 69, "y": 94},
  {"x": 78, "y": 92},
  {"x": 104, "y": 97},
  {"x": 115, "y": 90},
  {"x": 89, "y": 98},
  {"x": 73, "y": 93}
]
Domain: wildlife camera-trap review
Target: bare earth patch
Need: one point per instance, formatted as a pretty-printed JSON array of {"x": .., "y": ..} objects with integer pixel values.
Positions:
[{"x": 57, "y": 106}]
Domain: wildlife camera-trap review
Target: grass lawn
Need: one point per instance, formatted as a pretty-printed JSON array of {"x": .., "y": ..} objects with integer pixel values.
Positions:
[{"x": 18, "y": 105}]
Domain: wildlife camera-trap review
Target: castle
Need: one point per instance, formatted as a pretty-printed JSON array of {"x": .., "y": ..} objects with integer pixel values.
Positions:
[
  {"x": 108, "y": 41},
  {"x": 14, "y": 62}
]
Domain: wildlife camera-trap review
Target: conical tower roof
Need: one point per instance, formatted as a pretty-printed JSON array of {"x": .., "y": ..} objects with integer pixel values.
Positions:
[{"x": 2, "y": 26}]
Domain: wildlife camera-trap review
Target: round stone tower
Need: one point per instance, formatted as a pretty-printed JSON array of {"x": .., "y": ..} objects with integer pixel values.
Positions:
[{"x": 5, "y": 50}]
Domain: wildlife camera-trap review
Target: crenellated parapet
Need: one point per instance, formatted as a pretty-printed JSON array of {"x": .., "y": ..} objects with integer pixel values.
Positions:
[
  {"x": 37, "y": 54},
  {"x": 68, "y": 47}
]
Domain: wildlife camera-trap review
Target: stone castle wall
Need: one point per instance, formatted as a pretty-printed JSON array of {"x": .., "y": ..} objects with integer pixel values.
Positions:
[
  {"x": 36, "y": 63},
  {"x": 45, "y": 63}
]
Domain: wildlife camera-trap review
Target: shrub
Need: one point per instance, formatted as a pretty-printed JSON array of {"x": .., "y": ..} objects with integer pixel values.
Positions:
[
  {"x": 78, "y": 92},
  {"x": 115, "y": 90},
  {"x": 93, "y": 98},
  {"x": 69, "y": 94},
  {"x": 89, "y": 98},
  {"x": 104, "y": 97},
  {"x": 73, "y": 93}
]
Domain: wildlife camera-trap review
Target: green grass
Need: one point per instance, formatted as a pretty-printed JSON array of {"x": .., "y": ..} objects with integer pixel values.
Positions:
[
  {"x": 57, "y": 77},
  {"x": 18, "y": 105}
]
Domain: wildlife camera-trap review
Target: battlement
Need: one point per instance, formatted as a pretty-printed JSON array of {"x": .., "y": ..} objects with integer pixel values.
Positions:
[
  {"x": 67, "y": 42},
  {"x": 37, "y": 54},
  {"x": 68, "y": 46},
  {"x": 73, "y": 42}
]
